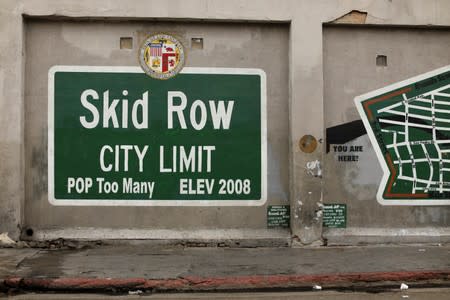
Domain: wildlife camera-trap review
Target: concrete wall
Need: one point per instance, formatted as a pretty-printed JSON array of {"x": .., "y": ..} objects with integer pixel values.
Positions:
[
  {"x": 96, "y": 43},
  {"x": 352, "y": 51},
  {"x": 306, "y": 73}
]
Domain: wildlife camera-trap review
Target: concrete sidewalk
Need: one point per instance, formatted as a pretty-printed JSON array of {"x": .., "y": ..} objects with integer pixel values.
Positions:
[{"x": 161, "y": 268}]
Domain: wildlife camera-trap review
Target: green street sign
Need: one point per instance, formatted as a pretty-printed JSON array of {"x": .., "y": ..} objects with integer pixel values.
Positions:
[
  {"x": 408, "y": 124},
  {"x": 334, "y": 215},
  {"x": 278, "y": 216},
  {"x": 119, "y": 137}
]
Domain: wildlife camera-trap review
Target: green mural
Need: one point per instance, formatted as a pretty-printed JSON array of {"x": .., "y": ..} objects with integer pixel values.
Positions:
[
  {"x": 409, "y": 126},
  {"x": 120, "y": 137}
]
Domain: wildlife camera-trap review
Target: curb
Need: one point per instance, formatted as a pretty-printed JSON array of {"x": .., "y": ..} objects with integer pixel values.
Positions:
[{"x": 239, "y": 283}]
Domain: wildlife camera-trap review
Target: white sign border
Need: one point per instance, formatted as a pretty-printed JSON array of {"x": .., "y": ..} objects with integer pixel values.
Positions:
[
  {"x": 386, "y": 173},
  {"x": 151, "y": 202}
]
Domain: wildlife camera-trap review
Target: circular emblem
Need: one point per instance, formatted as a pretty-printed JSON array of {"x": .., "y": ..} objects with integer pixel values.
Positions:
[
  {"x": 161, "y": 56},
  {"x": 308, "y": 143}
]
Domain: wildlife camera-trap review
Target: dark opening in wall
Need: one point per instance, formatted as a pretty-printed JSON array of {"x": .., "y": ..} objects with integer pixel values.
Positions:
[
  {"x": 29, "y": 232},
  {"x": 197, "y": 43},
  {"x": 382, "y": 60},
  {"x": 126, "y": 43}
]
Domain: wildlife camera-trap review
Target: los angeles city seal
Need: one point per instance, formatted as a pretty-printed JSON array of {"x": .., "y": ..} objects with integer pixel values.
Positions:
[{"x": 161, "y": 56}]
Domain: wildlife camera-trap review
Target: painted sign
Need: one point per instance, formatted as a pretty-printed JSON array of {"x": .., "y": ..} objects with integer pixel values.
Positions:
[
  {"x": 161, "y": 56},
  {"x": 119, "y": 137},
  {"x": 335, "y": 215},
  {"x": 278, "y": 216},
  {"x": 409, "y": 127}
]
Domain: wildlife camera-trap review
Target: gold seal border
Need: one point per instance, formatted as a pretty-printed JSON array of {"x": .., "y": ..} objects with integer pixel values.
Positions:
[{"x": 155, "y": 74}]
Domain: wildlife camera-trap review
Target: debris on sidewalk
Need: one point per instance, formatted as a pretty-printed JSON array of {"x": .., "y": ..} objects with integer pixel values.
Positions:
[
  {"x": 137, "y": 292},
  {"x": 5, "y": 240},
  {"x": 403, "y": 286}
]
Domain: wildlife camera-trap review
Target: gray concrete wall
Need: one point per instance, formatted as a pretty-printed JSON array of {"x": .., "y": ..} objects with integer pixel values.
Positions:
[
  {"x": 96, "y": 43},
  {"x": 305, "y": 70},
  {"x": 352, "y": 51}
]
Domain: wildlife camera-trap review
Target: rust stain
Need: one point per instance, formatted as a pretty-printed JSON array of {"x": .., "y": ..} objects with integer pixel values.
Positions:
[{"x": 308, "y": 143}]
